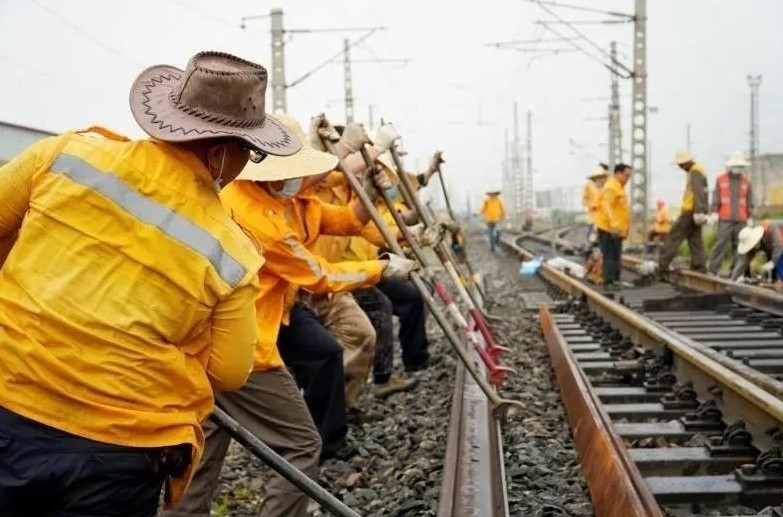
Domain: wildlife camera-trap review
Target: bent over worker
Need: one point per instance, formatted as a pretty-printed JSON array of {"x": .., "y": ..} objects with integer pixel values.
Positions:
[
  {"x": 661, "y": 225},
  {"x": 127, "y": 297},
  {"x": 494, "y": 212},
  {"x": 613, "y": 222},
  {"x": 693, "y": 215},
  {"x": 732, "y": 206},
  {"x": 766, "y": 237}
]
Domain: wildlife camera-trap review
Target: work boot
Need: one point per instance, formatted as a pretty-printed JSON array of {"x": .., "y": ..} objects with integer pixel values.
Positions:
[{"x": 395, "y": 384}]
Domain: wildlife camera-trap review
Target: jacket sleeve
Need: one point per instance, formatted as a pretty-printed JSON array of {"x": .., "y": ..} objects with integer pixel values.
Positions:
[
  {"x": 234, "y": 336},
  {"x": 373, "y": 234},
  {"x": 291, "y": 261},
  {"x": 607, "y": 204},
  {"x": 699, "y": 186},
  {"x": 16, "y": 181},
  {"x": 715, "y": 205},
  {"x": 339, "y": 220}
]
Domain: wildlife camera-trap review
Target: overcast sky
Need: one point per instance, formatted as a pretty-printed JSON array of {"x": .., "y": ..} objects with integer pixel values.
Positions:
[{"x": 69, "y": 64}]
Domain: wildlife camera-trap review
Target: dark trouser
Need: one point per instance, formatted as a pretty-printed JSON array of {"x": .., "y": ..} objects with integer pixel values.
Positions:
[
  {"x": 612, "y": 251},
  {"x": 493, "y": 233},
  {"x": 380, "y": 312},
  {"x": 409, "y": 307},
  {"x": 728, "y": 238},
  {"x": 683, "y": 228},
  {"x": 45, "y": 472},
  {"x": 316, "y": 359}
]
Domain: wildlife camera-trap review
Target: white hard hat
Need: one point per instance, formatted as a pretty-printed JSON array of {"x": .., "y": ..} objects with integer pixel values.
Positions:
[
  {"x": 681, "y": 157},
  {"x": 737, "y": 159},
  {"x": 748, "y": 238}
]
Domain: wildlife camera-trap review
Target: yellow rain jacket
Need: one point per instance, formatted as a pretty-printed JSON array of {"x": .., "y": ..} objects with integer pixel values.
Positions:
[
  {"x": 591, "y": 200},
  {"x": 615, "y": 211},
  {"x": 128, "y": 294},
  {"x": 689, "y": 197},
  {"x": 284, "y": 229},
  {"x": 493, "y": 209},
  {"x": 662, "y": 224}
]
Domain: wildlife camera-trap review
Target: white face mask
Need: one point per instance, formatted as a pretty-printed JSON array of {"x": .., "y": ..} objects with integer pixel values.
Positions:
[{"x": 290, "y": 188}]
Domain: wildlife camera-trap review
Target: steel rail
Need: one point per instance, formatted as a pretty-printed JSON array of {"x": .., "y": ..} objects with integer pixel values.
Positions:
[
  {"x": 617, "y": 488},
  {"x": 740, "y": 397}
]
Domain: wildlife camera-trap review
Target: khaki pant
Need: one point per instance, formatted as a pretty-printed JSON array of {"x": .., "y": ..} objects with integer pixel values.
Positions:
[
  {"x": 684, "y": 228},
  {"x": 271, "y": 407},
  {"x": 727, "y": 239},
  {"x": 347, "y": 322}
]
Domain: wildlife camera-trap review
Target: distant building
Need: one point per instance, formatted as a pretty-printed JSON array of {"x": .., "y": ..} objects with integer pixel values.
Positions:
[
  {"x": 770, "y": 192},
  {"x": 15, "y": 138}
]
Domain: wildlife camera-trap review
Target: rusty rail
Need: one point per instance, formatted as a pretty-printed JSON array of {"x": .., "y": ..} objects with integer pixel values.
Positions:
[{"x": 617, "y": 488}]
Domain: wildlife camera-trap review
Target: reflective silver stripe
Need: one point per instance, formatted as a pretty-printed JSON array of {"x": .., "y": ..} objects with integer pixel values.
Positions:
[
  {"x": 153, "y": 213},
  {"x": 315, "y": 267}
]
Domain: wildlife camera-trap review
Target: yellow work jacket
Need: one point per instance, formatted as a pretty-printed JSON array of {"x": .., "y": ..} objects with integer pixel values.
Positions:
[
  {"x": 493, "y": 209},
  {"x": 591, "y": 200},
  {"x": 689, "y": 198},
  {"x": 662, "y": 224},
  {"x": 615, "y": 210},
  {"x": 126, "y": 294},
  {"x": 284, "y": 229},
  {"x": 332, "y": 190}
]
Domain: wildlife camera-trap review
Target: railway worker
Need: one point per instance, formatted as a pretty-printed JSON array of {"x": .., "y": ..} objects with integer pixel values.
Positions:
[
  {"x": 732, "y": 206},
  {"x": 592, "y": 204},
  {"x": 693, "y": 215},
  {"x": 661, "y": 225},
  {"x": 128, "y": 295},
  {"x": 284, "y": 224},
  {"x": 613, "y": 221},
  {"x": 493, "y": 212},
  {"x": 766, "y": 237}
]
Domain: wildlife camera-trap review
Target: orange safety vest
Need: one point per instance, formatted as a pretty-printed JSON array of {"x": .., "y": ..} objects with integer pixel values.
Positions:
[{"x": 724, "y": 193}]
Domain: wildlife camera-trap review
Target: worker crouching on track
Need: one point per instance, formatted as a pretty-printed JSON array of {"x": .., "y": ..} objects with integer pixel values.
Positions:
[
  {"x": 284, "y": 224},
  {"x": 494, "y": 212},
  {"x": 591, "y": 200},
  {"x": 732, "y": 206},
  {"x": 661, "y": 225},
  {"x": 692, "y": 217},
  {"x": 612, "y": 221},
  {"x": 766, "y": 237},
  {"x": 128, "y": 295}
]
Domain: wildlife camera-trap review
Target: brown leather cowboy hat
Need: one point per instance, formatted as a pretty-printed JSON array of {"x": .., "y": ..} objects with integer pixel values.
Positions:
[{"x": 217, "y": 96}]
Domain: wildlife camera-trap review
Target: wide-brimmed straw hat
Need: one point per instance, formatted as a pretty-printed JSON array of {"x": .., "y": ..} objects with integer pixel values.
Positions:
[
  {"x": 598, "y": 173},
  {"x": 306, "y": 162},
  {"x": 493, "y": 192},
  {"x": 682, "y": 157},
  {"x": 737, "y": 159},
  {"x": 748, "y": 238},
  {"x": 217, "y": 96}
]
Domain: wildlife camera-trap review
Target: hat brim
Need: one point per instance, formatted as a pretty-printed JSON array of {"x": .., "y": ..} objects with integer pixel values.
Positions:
[
  {"x": 159, "y": 117},
  {"x": 753, "y": 239},
  {"x": 492, "y": 192},
  {"x": 306, "y": 162},
  {"x": 737, "y": 163},
  {"x": 598, "y": 175}
]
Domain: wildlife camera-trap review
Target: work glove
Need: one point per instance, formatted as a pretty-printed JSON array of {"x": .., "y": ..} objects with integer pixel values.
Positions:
[
  {"x": 354, "y": 136},
  {"x": 700, "y": 219},
  {"x": 435, "y": 161},
  {"x": 398, "y": 269},
  {"x": 417, "y": 231},
  {"x": 647, "y": 268},
  {"x": 433, "y": 235},
  {"x": 385, "y": 138},
  {"x": 376, "y": 179},
  {"x": 750, "y": 222},
  {"x": 320, "y": 128},
  {"x": 452, "y": 226},
  {"x": 767, "y": 267},
  {"x": 409, "y": 216},
  {"x": 713, "y": 218}
]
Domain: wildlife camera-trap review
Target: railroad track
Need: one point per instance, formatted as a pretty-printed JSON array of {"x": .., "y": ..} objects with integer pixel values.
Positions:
[{"x": 670, "y": 413}]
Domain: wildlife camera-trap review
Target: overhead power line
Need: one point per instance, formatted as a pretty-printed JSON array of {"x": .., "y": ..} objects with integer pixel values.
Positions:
[
  {"x": 84, "y": 34},
  {"x": 628, "y": 17}
]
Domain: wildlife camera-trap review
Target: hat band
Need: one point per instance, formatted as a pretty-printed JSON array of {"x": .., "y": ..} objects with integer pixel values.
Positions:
[{"x": 215, "y": 118}]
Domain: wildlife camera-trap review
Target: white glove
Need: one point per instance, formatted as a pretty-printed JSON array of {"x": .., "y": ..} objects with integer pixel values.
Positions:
[
  {"x": 385, "y": 138},
  {"x": 354, "y": 136},
  {"x": 700, "y": 219},
  {"x": 647, "y": 268},
  {"x": 767, "y": 267},
  {"x": 398, "y": 268},
  {"x": 713, "y": 218},
  {"x": 741, "y": 280},
  {"x": 320, "y": 128},
  {"x": 433, "y": 235},
  {"x": 749, "y": 222},
  {"x": 416, "y": 231}
]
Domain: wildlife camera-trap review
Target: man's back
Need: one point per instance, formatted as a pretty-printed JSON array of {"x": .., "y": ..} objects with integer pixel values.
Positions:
[{"x": 107, "y": 297}]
